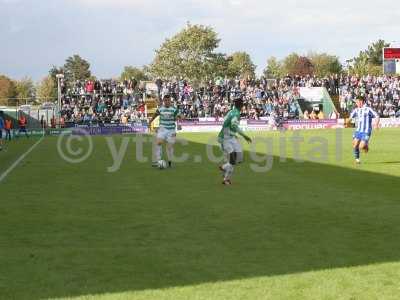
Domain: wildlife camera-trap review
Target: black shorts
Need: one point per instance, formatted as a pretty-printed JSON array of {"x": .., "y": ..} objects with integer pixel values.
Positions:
[{"x": 1, "y": 134}]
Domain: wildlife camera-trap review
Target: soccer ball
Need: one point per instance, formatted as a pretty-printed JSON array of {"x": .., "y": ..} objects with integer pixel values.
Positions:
[{"x": 162, "y": 164}]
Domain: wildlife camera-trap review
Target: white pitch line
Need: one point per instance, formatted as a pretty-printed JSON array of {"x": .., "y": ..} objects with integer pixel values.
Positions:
[{"x": 16, "y": 163}]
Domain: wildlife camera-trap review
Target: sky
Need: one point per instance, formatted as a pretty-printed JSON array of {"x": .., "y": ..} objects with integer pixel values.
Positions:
[{"x": 110, "y": 34}]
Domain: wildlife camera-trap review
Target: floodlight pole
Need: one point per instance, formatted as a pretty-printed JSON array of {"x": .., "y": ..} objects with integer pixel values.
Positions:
[{"x": 59, "y": 77}]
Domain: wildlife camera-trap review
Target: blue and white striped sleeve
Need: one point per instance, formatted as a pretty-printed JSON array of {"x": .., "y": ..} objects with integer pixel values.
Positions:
[
  {"x": 353, "y": 114},
  {"x": 373, "y": 113}
]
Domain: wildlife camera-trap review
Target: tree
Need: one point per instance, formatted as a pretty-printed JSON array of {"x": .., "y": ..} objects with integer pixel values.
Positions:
[
  {"x": 147, "y": 71},
  {"x": 217, "y": 66},
  {"x": 294, "y": 64},
  {"x": 76, "y": 68},
  {"x": 54, "y": 71},
  {"x": 289, "y": 63},
  {"x": 370, "y": 60},
  {"x": 374, "y": 52},
  {"x": 240, "y": 64},
  {"x": 7, "y": 91},
  {"x": 362, "y": 66},
  {"x": 130, "y": 72},
  {"x": 24, "y": 88},
  {"x": 274, "y": 68},
  {"x": 188, "y": 54},
  {"x": 45, "y": 90},
  {"x": 325, "y": 64},
  {"x": 303, "y": 67}
]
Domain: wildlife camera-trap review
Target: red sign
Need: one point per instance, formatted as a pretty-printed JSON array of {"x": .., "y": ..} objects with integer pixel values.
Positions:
[{"x": 391, "y": 53}]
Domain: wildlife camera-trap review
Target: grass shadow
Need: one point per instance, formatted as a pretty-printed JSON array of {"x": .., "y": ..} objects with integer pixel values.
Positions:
[{"x": 141, "y": 228}]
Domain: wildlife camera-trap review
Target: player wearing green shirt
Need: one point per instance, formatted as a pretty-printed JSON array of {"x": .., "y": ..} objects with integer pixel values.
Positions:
[
  {"x": 167, "y": 129},
  {"x": 229, "y": 142}
]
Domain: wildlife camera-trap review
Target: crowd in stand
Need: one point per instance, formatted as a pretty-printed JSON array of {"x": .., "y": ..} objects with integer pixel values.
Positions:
[
  {"x": 381, "y": 92},
  {"x": 110, "y": 101},
  {"x": 105, "y": 101},
  {"x": 214, "y": 98}
]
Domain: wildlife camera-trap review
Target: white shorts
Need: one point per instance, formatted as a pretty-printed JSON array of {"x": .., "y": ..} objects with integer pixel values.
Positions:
[
  {"x": 166, "y": 135},
  {"x": 231, "y": 145}
]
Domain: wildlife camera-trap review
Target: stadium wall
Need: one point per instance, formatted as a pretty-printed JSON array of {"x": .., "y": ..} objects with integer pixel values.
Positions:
[
  {"x": 263, "y": 125},
  {"x": 205, "y": 126}
]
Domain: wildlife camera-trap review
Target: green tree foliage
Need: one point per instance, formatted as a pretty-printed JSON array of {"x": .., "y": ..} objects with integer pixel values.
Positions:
[
  {"x": 45, "y": 90},
  {"x": 190, "y": 54},
  {"x": 147, "y": 71},
  {"x": 325, "y": 64},
  {"x": 370, "y": 60},
  {"x": 289, "y": 63},
  {"x": 240, "y": 64},
  {"x": 217, "y": 66},
  {"x": 130, "y": 72},
  {"x": 24, "y": 88},
  {"x": 362, "y": 66},
  {"x": 7, "y": 91},
  {"x": 76, "y": 68},
  {"x": 374, "y": 52},
  {"x": 274, "y": 68},
  {"x": 54, "y": 71}
]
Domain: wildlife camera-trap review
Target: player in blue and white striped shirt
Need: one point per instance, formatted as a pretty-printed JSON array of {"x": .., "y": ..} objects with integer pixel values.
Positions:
[{"x": 363, "y": 116}]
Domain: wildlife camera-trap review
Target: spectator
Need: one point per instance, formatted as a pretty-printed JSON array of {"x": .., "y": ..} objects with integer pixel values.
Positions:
[
  {"x": 22, "y": 122},
  {"x": 53, "y": 122},
  {"x": 8, "y": 128},
  {"x": 334, "y": 115},
  {"x": 111, "y": 101},
  {"x": 313, "y": 115},
  {"x": 1, "y": 130},
  {"x": 42, "y": 122}
]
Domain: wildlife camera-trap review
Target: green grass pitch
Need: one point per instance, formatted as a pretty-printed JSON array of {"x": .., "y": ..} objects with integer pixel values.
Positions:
[{"x": 303, "y": 230}]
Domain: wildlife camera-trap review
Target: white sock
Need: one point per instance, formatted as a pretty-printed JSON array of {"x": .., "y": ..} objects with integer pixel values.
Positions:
[
  {"x": 170, "y": 152},
  {"x": 158, "y": 152},
  {"x": 225, "y": 166},
  {"x": 228, "y": 171},
  {"x": 154, "y": 151}
]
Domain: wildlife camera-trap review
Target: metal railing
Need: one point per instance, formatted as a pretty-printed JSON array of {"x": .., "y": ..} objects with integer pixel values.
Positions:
[{"x": 37, "y": 115}]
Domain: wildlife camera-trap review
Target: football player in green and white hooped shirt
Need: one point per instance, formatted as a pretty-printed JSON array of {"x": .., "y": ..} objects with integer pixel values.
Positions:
[
  {"x": 229, "y": 141},
  {"x": 167, "y": 129}
]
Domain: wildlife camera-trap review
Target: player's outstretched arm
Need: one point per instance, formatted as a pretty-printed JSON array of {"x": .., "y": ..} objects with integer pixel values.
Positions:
[
  {"x": 353, "y": 114},
  {"x": 237, "y": 129},
  {"x": 246, "y": 137},
  {"x": 376, "y": 117},
  {"x": 377, "y": 122},
  {"x": 179, "y": 117}
]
